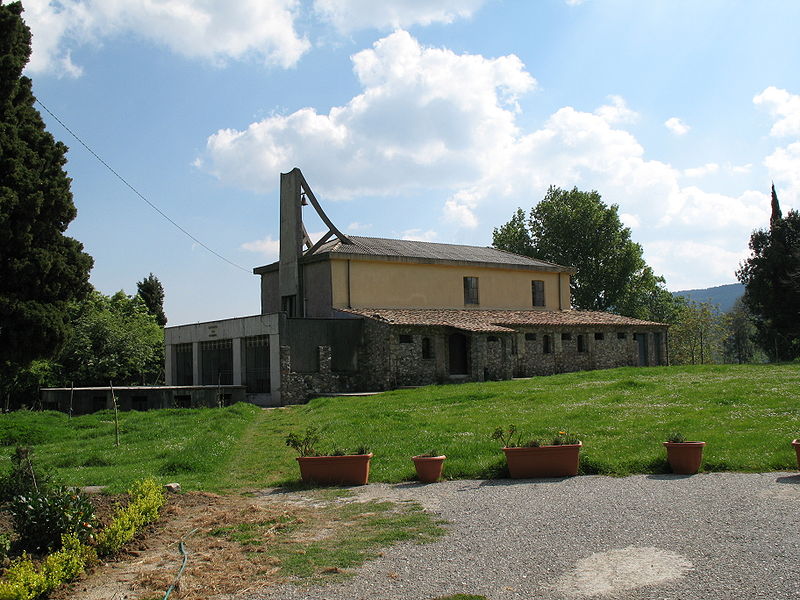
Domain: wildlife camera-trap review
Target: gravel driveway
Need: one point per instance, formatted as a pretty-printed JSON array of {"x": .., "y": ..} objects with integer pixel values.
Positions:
[{"x": 705, "y": 537}]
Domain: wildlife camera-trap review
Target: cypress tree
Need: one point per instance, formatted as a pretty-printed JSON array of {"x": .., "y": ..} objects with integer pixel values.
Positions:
[{"x": 41, "y": 269}]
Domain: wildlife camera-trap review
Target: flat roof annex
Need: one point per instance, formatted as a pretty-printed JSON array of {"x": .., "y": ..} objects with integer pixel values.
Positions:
[{"x": 411, "y": 251}]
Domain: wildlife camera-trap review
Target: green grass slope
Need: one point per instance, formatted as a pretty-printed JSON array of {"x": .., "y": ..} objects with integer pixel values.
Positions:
[{"x": 747, "y": 414}]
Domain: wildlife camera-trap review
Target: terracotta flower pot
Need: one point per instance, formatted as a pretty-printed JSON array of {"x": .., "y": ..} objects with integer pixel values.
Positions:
[
  {"x": 796, "y": 444},
  {"x": 429, "y": 468},
  {"x": 351, "y": 469},
  {"x": 543, "y": 461},
  {"x": 684, "y": 457}
]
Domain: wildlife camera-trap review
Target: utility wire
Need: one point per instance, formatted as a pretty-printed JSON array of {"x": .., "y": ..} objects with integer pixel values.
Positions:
[{"x": 135, "y": 191}]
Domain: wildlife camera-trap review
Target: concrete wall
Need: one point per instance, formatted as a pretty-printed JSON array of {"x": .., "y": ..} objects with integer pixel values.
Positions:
[
  {"x": 235, "y": 330},
  {"x": 81, "y": 401}
]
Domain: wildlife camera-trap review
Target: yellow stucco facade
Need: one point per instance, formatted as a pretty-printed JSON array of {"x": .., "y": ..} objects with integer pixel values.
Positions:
[{"x": 357, "y": 283}]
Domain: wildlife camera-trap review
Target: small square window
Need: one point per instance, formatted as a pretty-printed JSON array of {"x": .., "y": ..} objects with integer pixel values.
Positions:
[
  {"x": 530, "y": 337},
  {"x": 492, "y": 339},
  {"x": 565, "y": 337},
  {"x": 621, "y": 335},
  {"x": 599, "y": 335},
  {"x": 406, "y": 339}
]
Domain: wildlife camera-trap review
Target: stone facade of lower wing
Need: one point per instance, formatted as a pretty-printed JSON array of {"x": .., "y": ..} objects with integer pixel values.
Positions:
[{"x": 392, "y": 356}]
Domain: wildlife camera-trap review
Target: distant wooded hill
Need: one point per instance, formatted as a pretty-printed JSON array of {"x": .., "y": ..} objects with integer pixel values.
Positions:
[{"x": 723, "y": 295}]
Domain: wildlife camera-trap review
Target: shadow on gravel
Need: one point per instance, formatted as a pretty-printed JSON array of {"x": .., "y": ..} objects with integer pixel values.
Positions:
[
  {"x": 667, "y": 476},
  {"x": 789, "y": 479}
]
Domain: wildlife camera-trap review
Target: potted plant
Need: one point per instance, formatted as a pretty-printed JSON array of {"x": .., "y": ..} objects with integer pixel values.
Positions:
[
  {"x": 796, "y": 444},
  {"x": 339, "y": 467},
  {"x": 429, "y": 466},
  {"x": 684, "y": 457},
  {"x": 535, "y": 458}
]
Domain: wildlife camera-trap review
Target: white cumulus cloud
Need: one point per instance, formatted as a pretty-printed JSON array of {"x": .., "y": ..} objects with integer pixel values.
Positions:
[
  {"x": 617, "y": 111},
  {"x": 419, "y": 235},
  {"x": 212, "y": 30},
  {"x": 706, "y": 169},
  {"x": 352, "y": 15},
  {"x": 409, "y": 128},
  {"x": 785, "y": 107},
  {"x": 676, "y": 126}
]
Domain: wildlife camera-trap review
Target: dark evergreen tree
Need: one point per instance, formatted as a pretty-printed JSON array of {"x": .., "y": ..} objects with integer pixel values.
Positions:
[
  {"x": 41, "y": 269},
  {"x": 575, "y": 228},
  {"x": 771, "y": 276},
  {"x": 152, "y": 292}
]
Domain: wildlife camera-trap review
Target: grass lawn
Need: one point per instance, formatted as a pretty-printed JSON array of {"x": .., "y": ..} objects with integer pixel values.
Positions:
[{"x": 747, "y": 414}]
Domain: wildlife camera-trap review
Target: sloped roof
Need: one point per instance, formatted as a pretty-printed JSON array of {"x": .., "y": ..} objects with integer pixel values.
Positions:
[
  {"x": 480, "y": 320},
  {"x": 425, "y": 252}
]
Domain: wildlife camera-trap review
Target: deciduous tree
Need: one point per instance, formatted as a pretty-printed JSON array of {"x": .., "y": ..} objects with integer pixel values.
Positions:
[{"x": 576, "y": 228}]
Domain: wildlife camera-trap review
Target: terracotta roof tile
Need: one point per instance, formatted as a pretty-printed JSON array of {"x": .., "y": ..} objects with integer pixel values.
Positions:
[{"x": 497, "y": 320}]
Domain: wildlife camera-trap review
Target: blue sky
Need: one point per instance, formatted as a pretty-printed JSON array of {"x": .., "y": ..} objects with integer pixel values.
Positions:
[{"x": 424, "y": 119}]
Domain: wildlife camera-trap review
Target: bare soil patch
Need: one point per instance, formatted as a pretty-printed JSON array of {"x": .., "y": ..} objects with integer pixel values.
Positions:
[{"x": 242, "y": 543}]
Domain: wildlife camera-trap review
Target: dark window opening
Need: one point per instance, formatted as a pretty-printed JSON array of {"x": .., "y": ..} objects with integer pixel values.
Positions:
[
  {"x": 513, "y": 344},
  {"x": 537, "y": 291},
  {"x": 546, "y": 344},
  {"x": 256, "y": 364},
  {"x": 406, "y": 339},
  {"x": 289, "y": 305},
  {"x": 621, "y": 335},
  {"x": 530, "y": 337},
  {"x": 565, "y": 337},
  {"x": 471, "y": 290},
  {"x": 216, "y": 362},
  {"x": 427, "y": 348},
  {"x": 492, "y": 339},
  {"x": 581, "y": 344},
  {"x": 599, "y": 336},
  {"x": 183, "y": 364}
]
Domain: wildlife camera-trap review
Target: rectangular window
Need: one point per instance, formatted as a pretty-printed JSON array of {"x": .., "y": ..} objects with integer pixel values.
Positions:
[
  {"x": 470, "y": 290},
  {"x": 537, "y": 289},
  {"x": 530, "y": 337},
  {"x": 565, "y": 337},
  {"x": 546, "y": 344},
  {"x": 427, "y": 348},
  {"x": 581, "y": 344},
  {"x": 514, "y": 349},
  {"x": 599, "y": 335},
  {"x": 621, "y": 335},
  {"x": 405, "y": 338}
]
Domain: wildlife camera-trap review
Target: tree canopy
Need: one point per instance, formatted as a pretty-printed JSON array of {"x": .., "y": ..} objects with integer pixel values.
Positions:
[
  {"x": 41, "y": 269},
  {"x": 113, "y": 338},
  {"x": 576, "y": 228},
  {"x": 152, "y": 292},
  {"x": 771, "y": 276}
]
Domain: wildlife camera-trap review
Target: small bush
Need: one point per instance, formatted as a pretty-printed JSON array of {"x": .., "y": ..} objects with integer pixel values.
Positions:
[
  {"x": 25, "y": 477},
  {"x": 147, "y": 498},
  {"x": 41, "y": 518},
  {"x": 23, "y": 580}
]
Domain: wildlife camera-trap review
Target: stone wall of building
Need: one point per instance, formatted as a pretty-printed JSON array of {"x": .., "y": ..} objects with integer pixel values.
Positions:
[{"x": 396, "y": 356}]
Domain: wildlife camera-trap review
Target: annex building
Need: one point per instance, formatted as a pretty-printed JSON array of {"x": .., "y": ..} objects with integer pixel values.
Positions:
[{"x": 360, "y": 314}]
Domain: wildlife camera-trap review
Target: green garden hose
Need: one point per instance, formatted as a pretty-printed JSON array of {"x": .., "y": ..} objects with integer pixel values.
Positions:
[{"x": 180, "y": 571}]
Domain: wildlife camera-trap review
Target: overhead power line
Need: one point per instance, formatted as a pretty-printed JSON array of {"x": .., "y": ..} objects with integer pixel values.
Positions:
[{"x": 138, "y": 193}]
